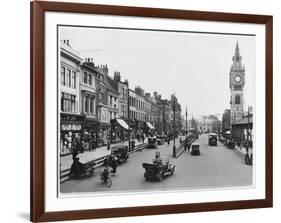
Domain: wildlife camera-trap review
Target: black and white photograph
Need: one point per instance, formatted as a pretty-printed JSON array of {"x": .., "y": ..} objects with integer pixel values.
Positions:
[{"x": 143, "y": 110}]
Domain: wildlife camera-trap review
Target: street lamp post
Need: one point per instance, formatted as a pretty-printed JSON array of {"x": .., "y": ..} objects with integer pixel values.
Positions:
[
  {"x": 174, "y": 113},
  {"x": 186, "y": 123}
]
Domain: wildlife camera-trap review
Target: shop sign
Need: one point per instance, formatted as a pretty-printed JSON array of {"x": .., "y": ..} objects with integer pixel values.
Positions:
[{"x": 70, "y": 127}]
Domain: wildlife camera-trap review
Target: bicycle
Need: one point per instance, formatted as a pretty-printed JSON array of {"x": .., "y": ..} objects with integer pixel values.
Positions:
[{"x": 105, "y": 178}]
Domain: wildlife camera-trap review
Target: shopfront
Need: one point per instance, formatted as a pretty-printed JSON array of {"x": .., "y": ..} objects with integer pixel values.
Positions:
[
  {"x": 103, "y": 133},
  {"x": 120, "y": 130},
  {"x": 90, "y": 134},
  {"x": 70, "y": 132}
]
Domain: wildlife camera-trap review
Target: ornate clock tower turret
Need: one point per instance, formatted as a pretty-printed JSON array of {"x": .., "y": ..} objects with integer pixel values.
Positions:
[{"x": 236, "y": 84}]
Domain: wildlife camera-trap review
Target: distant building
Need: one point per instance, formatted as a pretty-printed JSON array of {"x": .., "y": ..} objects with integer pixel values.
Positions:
[
  {"x": 88, "y": 103},
  {"x": 174, "y": 105},
  {"x": 226, "y": 121},
  {"x": 103, "y": 105},
  {"x": 164, "y": 115},
  {"x": 119, "y": 126},
  {"x": 236, "y": 84}
]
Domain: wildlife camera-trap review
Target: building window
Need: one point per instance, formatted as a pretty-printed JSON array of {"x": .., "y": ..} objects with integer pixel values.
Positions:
[
  {"x": 85, "y": 78},
  {"x": 237, "y": 99},
  {"x": 90, "y": 79},
  {"x": 62, "y": 77},
  {"x": 68, "y": 78},
  {"x": 73, "y": 80},
  {"x": 123, "y": 93},
  {"x": 68, "y": 103},
  {"x": 86, "y": 104},
  {"x": 237, "y": 88},
  {"x": 92, "y": 105}
]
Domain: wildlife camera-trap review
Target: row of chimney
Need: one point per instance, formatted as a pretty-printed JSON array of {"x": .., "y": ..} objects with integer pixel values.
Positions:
[{"x": 66, "y": 41}]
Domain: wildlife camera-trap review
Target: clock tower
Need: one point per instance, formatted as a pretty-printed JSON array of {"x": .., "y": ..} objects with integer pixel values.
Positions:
[{"x": 236, "y": 85}]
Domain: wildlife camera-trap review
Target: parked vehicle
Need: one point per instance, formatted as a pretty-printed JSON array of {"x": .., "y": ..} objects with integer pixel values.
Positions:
[
  {"x": 195, "y": 151},
  {"x": 159, "y": 140},
  {"x": 152, "y": 142},
  {"x": 155, "y": 171},
  {"x": 120, "y": 152},
  {"x": 213, "y": 139}
]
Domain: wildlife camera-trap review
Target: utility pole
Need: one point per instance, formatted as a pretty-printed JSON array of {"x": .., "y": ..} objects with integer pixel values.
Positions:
[
  {"x": 186, "y": 123},
  {"x": 248, "y": 130},
  {"x": 128, "y": 114},
  {"x": 174, "y": 112}
]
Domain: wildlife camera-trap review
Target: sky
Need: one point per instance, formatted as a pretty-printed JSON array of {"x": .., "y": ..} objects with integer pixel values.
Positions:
[{"x": 194, "y": 66}]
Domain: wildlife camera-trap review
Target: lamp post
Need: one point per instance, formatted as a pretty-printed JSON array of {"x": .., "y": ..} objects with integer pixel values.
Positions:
[
  {"x": 186, "y": 123},
  {"x": 174, "y": 113}
]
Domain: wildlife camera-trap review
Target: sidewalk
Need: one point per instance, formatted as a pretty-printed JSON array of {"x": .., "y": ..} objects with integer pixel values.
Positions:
[
  {"x": 243, "y": 150},
  {"x": 87, "y": 156}
]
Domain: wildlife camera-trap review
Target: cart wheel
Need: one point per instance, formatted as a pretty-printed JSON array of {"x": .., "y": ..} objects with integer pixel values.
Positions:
[
  {"x": 108, "y": 182},
  {"x": 161, "y": 177},
  {"x": 173, "y": 170},
  {"x": 92, "y": 171},
  {"x": 149, "y": 173},
  {"x": 101, "y": 177}
]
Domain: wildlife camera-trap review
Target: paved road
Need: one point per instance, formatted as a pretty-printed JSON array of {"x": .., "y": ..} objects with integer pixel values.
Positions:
[{"x": 215, "y": 167}]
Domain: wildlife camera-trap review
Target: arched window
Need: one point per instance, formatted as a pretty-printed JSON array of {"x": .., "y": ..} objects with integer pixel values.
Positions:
[{"x": 237, "y": 99}]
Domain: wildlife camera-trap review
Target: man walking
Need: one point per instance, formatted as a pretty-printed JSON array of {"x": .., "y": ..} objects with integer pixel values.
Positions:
[
  {"x": 188, "y": 145},
  {"x": 185, "y": 146}
]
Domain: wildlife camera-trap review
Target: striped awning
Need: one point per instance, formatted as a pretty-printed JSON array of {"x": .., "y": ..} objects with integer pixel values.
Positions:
[
  {"x": 149, "y": 125},
  {"x": 122, "y": 123}
]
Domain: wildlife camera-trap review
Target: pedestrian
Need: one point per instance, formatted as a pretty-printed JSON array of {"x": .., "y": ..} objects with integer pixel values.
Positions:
[
  {"x": 168, "y": 141},
  {"x": 188, "y": 146},
  {"x": 185, "y": 146},
  {"x": 74, "y": 153},
  {"x": 108, "y": 145},
  {"x": 114, "y": 165}
]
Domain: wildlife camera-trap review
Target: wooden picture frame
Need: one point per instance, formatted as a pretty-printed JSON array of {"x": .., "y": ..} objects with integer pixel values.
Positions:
[{"x": 37, "y": 116}]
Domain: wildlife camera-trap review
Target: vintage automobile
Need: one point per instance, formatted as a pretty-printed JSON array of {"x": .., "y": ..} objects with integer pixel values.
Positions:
[
  {"x": 152, "y": 142},
  {"x": 156, "y": 171},
  {"x": 195, "y": 151},
  {"x": 213, "y": 139},
  {"x": 120, "y": 152},
  {"x": 160, "y": 140}
]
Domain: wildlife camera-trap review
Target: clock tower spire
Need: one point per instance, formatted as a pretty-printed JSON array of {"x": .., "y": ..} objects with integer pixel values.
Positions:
[{"x": 236, "y": 85}]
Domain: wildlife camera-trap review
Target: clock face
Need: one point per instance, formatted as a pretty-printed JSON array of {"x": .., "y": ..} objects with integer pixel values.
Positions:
[{"x": 237, "y": 78}]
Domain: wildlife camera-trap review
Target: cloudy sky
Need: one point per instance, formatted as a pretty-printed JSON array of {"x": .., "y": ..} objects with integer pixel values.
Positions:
[{"x": 195, "y": 66}]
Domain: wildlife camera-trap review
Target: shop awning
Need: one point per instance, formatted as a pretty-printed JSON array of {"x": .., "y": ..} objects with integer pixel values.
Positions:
[
  {"x": 149, "y": 125},
  {"x": 122, "y": 123}
]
